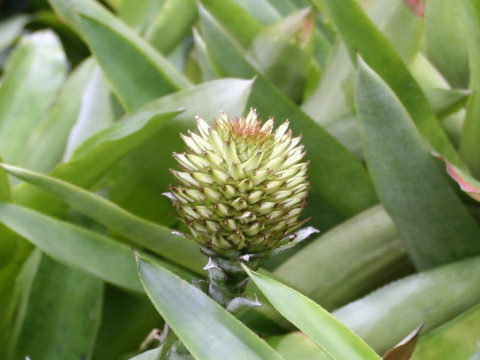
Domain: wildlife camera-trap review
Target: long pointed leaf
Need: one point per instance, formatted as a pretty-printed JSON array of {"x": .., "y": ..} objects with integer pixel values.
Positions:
[
  {"x": 207, "y": 330},
  {"x": 73, "y": 245},
  {"x": 431, "y": 219},
  {"x": 361, "y": 36},
  {"x": 333, "y": 337},
  {"x": 433, "y": 297},
  {"x": 143, "y": 233}
]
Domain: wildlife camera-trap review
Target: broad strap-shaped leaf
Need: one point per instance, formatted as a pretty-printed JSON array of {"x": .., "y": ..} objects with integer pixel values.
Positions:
[
  {"x": 95, "y": 157},
  {"x": 143, "y": 233},
  {"x": 53, "y": 323},
  {"x": 387, "y": 315},
  {"x": 333, "y": 337},
  {"x": 207, "y": 330},
  {"x": 469, "y": 144},
  {"x": 432, "y": 221},
  {"x": 361, "y": 36},
  {"x": 33, "y": 75},
  {"x": 334, "y": 172},
  {"x": 75, "y": 246},
  {"x": 455, "y": 339},
  {"x": 141, "y": 74},
  {"x": 355, "y": 257}
]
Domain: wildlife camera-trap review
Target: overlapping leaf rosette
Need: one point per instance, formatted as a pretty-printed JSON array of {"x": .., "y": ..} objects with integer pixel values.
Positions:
[{"x": 241, "y": 189}]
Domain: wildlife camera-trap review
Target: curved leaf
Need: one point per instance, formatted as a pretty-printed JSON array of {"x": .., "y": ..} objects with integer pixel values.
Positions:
[
  {"x": 387, "y": 315},
  {"x": 433, "y": 222},
  {"x": 355, "y": 257},
  {"x": 95, "y": 157},
  {"x": 207, "y": 330},
  {"x": 333, "y": 337},
  {"x": 143, "y": 233},
  {"x": 361, "y": 36},
  {"x": 75, "y": 246},
  {"x": 33, "y": 75}
]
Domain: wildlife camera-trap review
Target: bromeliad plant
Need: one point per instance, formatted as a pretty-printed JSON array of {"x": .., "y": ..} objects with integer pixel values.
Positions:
[{"x": 384, "y": 94}]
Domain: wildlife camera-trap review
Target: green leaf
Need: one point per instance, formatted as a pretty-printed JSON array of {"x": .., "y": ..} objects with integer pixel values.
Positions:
[
  {"x": 143, "y": 233},
  {"x": 287, "y": 44},
  {"x": 46, "y": 144},
  {"x": 95, "y": 114},
  {"x": 446, "y": 102},
  {"x": 361, "y": 36},
  {"x": 333, "y": 337},
  {"x": 296, "y": 346},
  {"x": 95, "y": 157},
  {"x": 356, "y": 257},
  {"x": 75, "y": 246},
  {"x": 148, "y": 355},
  {"x": 334, "y": 173},
  {"x": 455, "y": 339},
  {"x": 145, "y": 172},
  {"x": 198, "y": 320},
  {"x": 469, "y": 145},
  {"x": 434, "y": 297},
  {"x": 33, "y": 75},
  {"x": 140, "y": 74},
  {"x": 10, "y": 28},
  {"x": 54, "y": 324},
  {"x": 175, "y": 19},
  {"x": 433, "y": 223},
  {"x": 126, "y": 321},
  {"x": 446, "y": 40},
  {"x": 235, "y": 19}
]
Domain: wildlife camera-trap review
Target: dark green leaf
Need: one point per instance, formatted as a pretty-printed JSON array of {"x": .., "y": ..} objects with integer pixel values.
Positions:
[
  {"x": 62, "y": 315},
  {"x": 435, "y": 226}
]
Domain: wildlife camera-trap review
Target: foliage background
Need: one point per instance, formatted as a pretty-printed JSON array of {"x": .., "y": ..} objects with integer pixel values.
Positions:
[{"x": 94, "y": 95}]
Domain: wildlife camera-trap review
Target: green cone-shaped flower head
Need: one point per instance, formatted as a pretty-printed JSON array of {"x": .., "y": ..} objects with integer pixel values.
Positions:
[{"x": 242, "y": 185}]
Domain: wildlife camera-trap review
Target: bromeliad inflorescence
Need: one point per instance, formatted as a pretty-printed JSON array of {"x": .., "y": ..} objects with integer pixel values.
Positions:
[{"x": 241, "y": 187}]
